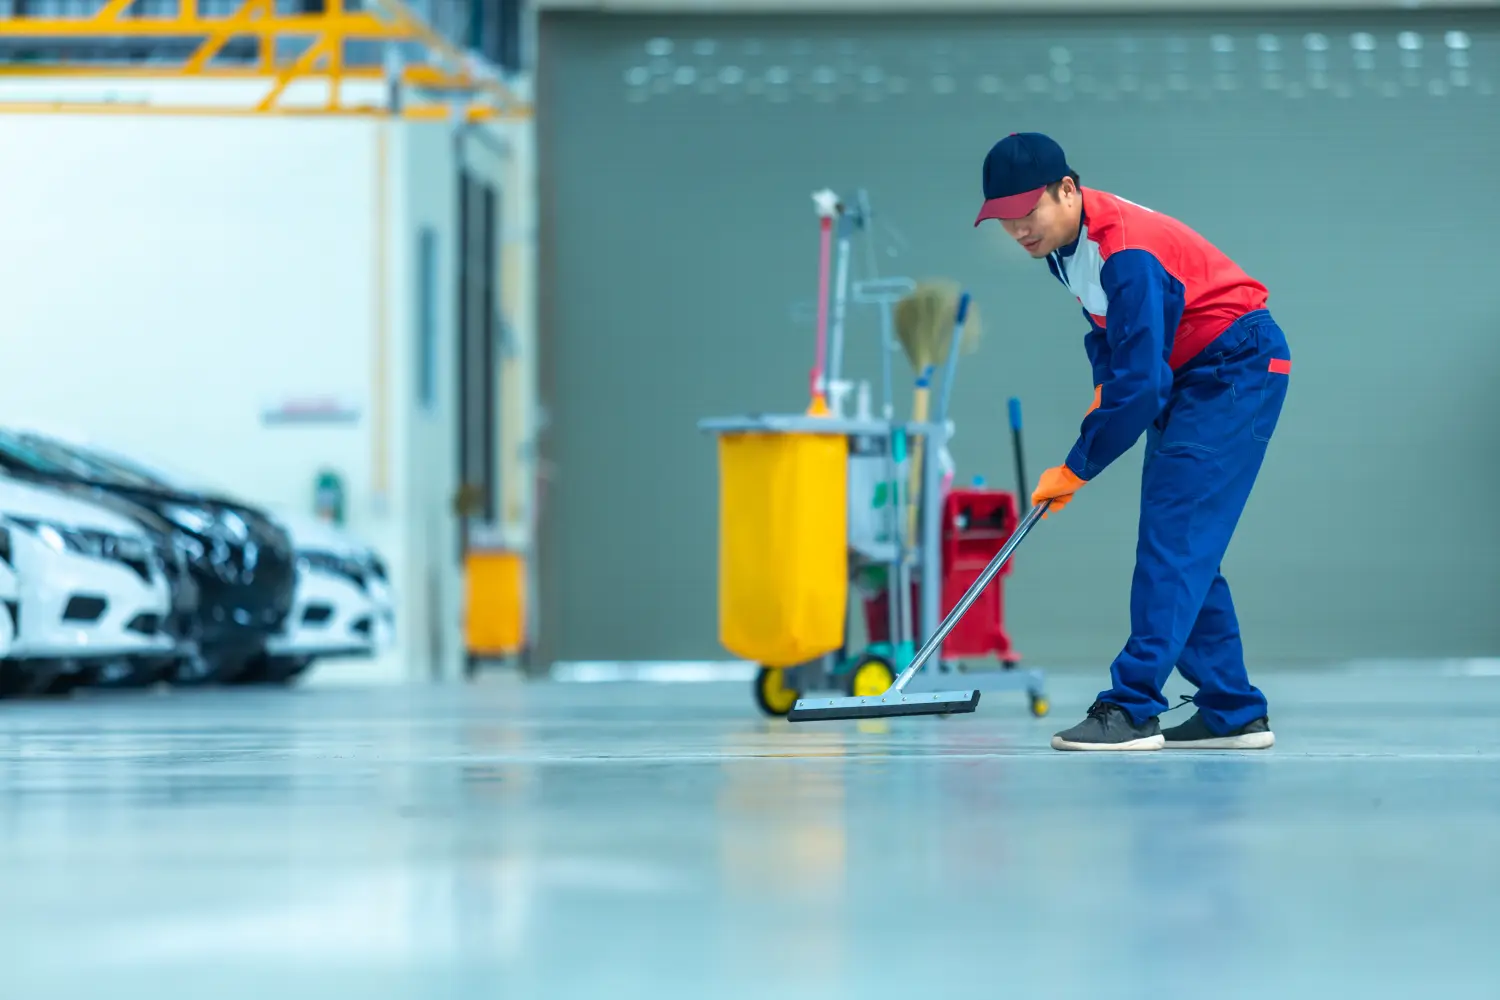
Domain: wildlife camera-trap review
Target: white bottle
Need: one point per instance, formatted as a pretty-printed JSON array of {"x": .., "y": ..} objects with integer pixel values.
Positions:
[{"x": 838, "y": 391}]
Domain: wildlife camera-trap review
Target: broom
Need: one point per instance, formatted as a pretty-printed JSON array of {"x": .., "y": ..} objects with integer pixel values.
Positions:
[{"x": 924, "y": 326}]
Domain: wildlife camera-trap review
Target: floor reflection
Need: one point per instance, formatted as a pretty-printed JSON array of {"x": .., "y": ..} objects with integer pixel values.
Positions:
[{"x": 636, "y": 840}]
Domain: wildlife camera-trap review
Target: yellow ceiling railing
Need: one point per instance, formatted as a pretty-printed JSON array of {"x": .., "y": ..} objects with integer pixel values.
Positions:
[{"x": 442, "y": 74}]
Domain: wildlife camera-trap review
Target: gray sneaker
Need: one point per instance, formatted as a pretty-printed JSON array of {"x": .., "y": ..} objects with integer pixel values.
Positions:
[
  {"x": 1194, "y": 734},
  {"x": 1109, "y": 727}
]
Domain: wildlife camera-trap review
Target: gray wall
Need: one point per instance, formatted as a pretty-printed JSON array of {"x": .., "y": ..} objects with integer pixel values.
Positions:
[{"x": 1358, "y": 185}]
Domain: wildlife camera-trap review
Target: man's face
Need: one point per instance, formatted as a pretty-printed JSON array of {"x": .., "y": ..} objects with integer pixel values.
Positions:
[{"x": 1052, "y": 224}]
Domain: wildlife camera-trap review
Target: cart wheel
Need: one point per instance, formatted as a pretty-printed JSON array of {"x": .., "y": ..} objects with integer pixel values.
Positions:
[
  {"x": 772, "y": 692},
  {"x": 871, "y": 676},
  {"x": 1040, "y": 706}
]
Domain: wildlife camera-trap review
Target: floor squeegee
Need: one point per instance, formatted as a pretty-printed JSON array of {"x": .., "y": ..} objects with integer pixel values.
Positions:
[{"x": 895, "y": 701}]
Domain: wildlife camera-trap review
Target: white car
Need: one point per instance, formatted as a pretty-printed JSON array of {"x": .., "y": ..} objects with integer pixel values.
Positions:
[
  {"x": 10, "y": 596},
  {"x": 342, "y": 603},
  {"x": 90, "y": 585}
]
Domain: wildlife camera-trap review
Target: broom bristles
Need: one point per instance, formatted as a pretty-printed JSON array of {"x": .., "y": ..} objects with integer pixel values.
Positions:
[{"x": 924, "y": 323}]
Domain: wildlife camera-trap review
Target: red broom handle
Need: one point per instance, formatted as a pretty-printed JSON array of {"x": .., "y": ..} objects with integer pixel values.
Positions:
[{"x": 825, "y": 252}]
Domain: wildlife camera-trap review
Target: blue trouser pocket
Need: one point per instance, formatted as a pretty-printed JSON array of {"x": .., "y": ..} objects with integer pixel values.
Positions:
[
  {"x": 1274, "y": 383},
  {"x": 1202, "y": 457}
]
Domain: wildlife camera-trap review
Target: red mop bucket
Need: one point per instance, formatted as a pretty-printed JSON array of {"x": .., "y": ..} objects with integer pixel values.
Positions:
[{"x": 976, "y": 525}]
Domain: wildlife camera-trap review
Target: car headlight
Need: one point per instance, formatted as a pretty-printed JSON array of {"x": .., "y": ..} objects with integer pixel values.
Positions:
[
  {"x": 331, "y": 563},
  {"x": 234, "y": 525},
  {"x": 97, "y": 544},
  {"x": 194, "y": 519},
  {"x": 57, "y": 537},
  {"x": 53, "y": 536}
]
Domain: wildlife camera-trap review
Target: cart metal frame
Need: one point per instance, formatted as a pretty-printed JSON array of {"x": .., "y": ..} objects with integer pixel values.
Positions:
[
  {"x": 924, "y": 559},
  {"x": 901, "y": 560}
]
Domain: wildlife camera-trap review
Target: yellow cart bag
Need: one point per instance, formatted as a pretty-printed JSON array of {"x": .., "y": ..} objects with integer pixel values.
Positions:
[{"x": 783, "y": 555}]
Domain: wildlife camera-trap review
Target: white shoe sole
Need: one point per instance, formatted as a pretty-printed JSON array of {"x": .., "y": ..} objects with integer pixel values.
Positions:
[
  {"x": 1148, "y": 743},
  {"x": 1248, "y": 741}
]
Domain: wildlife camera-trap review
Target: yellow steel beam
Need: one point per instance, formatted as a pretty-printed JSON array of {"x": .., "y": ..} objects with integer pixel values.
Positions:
[
  {"x": 335, "y": 8},
  {"x": 221, "y": 36},
  {"x": 415, "y": 112},
  {"x": 359, "y": 25},
  {"x": 433, "y": 78},
  {"x": 414, "y": 75},
  {"x": 423, "y": 32},
  {"x": 328, "y": 32},
  {"x": 113, "y": 9},
  {"x": 474, "y": 113},
  {"x": 168, "y": 110},
  {"x": 304, "y": 63}
]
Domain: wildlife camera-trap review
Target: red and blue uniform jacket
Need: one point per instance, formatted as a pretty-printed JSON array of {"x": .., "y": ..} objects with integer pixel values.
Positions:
[{"x": 1156, "y": 294}]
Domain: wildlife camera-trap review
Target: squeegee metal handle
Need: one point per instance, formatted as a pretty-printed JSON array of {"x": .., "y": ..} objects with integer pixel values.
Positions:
[{"x": 971, "y": 595}]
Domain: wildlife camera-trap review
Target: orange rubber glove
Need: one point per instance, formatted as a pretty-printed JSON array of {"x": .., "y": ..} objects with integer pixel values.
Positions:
[
  {"x": 1057, "y": 484},
  {"x": 1098, "y": 398}
]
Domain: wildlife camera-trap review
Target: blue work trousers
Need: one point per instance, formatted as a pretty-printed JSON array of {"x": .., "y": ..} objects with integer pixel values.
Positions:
[{"x": 1203, "y": 453}]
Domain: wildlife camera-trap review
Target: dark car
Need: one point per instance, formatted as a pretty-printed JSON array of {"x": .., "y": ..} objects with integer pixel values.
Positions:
[{"x": 235, "y": 564}]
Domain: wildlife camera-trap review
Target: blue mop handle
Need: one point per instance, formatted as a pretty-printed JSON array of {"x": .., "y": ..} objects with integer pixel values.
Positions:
[
  {"x": 950, "y": 369},
  {"x": 1015, "y": 438}
]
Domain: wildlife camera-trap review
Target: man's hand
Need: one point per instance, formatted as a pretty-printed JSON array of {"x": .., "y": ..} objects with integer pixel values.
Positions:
[{"x": 1057, "y": 484}]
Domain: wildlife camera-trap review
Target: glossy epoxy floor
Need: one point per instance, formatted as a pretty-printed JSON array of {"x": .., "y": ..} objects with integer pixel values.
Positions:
[{"x": 620, "y": 841}]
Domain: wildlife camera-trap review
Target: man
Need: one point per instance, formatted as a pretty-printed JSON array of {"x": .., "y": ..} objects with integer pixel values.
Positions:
[{"x": 1184, "y": 351}]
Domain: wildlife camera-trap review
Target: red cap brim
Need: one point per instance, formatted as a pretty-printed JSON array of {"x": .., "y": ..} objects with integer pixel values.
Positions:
[{"x": 1012, "y": 206}]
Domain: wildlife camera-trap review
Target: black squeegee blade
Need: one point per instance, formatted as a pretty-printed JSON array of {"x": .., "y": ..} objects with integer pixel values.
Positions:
[{"x": 857, "y": 708}]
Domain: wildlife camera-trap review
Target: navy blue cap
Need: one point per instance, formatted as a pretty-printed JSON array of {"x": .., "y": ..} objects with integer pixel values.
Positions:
[{"x": 1017, "y": 171}]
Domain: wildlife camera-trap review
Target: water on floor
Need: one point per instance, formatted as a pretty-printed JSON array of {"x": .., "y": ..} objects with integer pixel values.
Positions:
[{"x": 550, "y": 841}]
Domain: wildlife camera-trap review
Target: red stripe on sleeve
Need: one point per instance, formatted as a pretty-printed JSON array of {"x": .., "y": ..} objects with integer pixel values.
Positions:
[{"x": 1281, "y": 366}]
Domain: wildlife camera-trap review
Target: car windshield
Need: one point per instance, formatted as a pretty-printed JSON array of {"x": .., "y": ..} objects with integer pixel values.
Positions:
[{"x": 89, "y": 464}]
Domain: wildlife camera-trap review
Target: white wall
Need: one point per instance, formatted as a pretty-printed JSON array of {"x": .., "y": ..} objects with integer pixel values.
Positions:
[
  {"x": 166, "y": 278},
  {"x": 518, "y": 377},
  {"x": 424, "y": 175}
]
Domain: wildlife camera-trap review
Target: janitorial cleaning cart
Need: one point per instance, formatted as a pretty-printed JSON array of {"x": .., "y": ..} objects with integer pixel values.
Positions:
[{"x": 818, "y": 509}]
